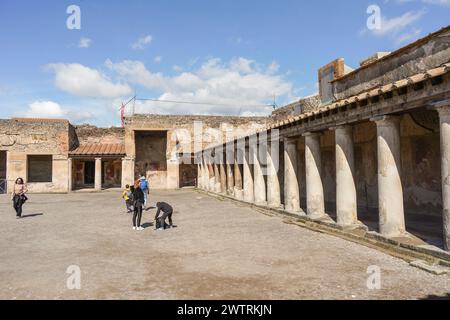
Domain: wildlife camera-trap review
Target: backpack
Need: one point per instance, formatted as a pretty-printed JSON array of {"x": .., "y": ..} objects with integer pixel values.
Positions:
[{"x": 144, "y": 184}]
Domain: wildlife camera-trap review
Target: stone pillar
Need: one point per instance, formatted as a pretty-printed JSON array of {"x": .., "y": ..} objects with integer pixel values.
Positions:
[
  {"x": 199, "y": 175},
  {"x": 258, "y": 178},
  {"x": 291, "y": 187},
  {"x": 212, "y": 179},
  {"x": 205, "y": 175},
  {"x": 70, "y": 177},
  {"x": 314, "y": 188},
  {"x": 390, "y": 190},
  {"x": 223, "y": 177},
  {"x": 346, "y": 203},
  {"x": 273, "y": 183},
  {"x": 249, "y": 195},
  {"x": 238, "y": 192},
  {"x": 217, "y": 186},
  {"x": 230, "y": 179},
  {"x": 98, "y": 174},
  {"x": 444, "y": 116},
  {"x": 127, "y": 171}
]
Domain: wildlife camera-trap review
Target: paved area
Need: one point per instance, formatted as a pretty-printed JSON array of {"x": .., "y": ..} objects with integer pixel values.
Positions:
[{"x": 220, "y": 250}]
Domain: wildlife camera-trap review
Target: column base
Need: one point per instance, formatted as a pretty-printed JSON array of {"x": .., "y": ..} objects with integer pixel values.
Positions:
[{"x": 239, "y": 194}]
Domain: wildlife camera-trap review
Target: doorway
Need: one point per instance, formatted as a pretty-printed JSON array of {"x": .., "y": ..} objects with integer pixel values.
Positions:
[{"x": 89, "y": 172}]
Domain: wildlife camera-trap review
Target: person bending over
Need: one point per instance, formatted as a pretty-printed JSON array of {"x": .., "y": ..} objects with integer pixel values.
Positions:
[{"x": 167, "y": 213}]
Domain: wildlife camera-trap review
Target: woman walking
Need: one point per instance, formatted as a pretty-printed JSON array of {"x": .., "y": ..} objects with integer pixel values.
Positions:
[
  {"x": 19, "y": 197},
  {"x": 138, "y": 202}
]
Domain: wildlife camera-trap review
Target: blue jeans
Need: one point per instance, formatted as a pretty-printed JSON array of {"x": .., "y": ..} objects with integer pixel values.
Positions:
[{"x": 145, "y": 197}]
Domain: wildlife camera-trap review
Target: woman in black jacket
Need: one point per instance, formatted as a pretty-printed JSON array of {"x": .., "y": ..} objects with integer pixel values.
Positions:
[{"x": 138, "y": 203}]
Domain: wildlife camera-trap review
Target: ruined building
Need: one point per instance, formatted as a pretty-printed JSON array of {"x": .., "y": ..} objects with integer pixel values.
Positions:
[
  {"x": 376, "y": 151},
  {"x": 372, "y": 148}
]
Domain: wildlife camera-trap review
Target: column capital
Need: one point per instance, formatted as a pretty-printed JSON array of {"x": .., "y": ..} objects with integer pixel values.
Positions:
[
  {"x": 342, "y": 126},
  {"x": 386, "y": 119},
  {"x": 98, "y": 159}
]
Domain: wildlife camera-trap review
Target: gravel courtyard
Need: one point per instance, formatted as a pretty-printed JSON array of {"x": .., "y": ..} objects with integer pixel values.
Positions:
[{"x": 220, "y": 250}]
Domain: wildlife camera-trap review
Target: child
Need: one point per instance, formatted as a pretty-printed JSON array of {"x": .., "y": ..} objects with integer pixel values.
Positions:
[{"x": 126, "y": 195}]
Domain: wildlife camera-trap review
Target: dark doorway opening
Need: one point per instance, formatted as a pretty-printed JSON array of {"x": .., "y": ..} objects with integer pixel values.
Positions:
[
  {"x": 188, "y": 175},
  {"x": 89, "y": 172}
]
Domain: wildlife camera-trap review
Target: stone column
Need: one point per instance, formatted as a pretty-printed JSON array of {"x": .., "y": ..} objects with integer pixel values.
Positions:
[
  {"x": 230, "y": 179},
  {"x": 127, "y": 171},
  {"x": 199, "y": 175},
  {"x": 223, "y": 177},
  {"x": 205, "y": 175},
  {"x": 390, "y": 190},
  {"x": 314, "y": 188},
  {"x": 70, "y": 177},
  {"x": 291, "y": 187},
  {"x": 238, "y": 192},
  {"x": 217, "y": 187},
  {"x": 249, "y": 195},
  {"x": 273, "y": 183},
  {"x": 98, "y": 174},
  {"x": 346, "y": 203},
  {"x": 258, "y": 178},
  {"x": 212, "y": 178},
  {"x": 444, "y": 116}
]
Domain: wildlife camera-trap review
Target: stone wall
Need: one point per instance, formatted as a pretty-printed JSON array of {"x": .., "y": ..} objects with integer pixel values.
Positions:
[
  {"x": 23, "y": 137},
  {"x": 87, "y": 134},
  {"x": 304, "y": 105},
  {"x": 180, "y": 131},
  {"x": 427, "y": 53}
]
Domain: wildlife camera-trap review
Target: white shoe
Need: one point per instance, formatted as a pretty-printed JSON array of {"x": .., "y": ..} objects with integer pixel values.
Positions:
[
  {"x": 134, "y": 228},
  {"x": 140, "y": 228}
]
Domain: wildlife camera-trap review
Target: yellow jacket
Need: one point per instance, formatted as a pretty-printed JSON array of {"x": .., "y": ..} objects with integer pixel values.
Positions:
[{"x": 125, "y": 194}]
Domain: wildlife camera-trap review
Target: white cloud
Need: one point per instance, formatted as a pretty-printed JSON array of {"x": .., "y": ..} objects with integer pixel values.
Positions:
[
  {"x": 236, "y": 87},
  {"x": 84, "y": 43},
  {"x": 44, "y": 109},
  {"x": 395, "y": 25},
  {"x": 51, "y": 109},
  {"x": 157, "y": 59},
  {"x": 82, "y": 81},
  {"x": 142, "y": 42}
]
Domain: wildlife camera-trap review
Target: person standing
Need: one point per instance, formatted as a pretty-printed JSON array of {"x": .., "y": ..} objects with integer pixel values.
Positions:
[
  {"x": 18, "y": 196},
  {"x": 138, "y": 202},
  {"x": 143, "y": 183},
  {"x": 167, "y": 213}
]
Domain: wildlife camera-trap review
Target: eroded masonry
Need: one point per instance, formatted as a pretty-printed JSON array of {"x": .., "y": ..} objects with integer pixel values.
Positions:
[{"x": 372, "y": 147}]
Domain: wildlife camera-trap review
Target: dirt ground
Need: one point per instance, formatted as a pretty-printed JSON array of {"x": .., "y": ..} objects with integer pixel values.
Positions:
[{"x": 220, "y": 250}]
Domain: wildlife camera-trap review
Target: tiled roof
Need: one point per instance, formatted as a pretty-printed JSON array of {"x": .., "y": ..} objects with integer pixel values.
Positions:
[
  {"x": 99, "y": 149},
  {"x": 432, "y": 73}
]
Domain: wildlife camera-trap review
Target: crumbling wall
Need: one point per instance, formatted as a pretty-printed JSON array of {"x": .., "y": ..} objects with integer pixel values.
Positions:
[
  {"x": 87, "y": 134},
  {"x": 304, "y": 105},
  {"x": 181, "y": 139},
  {"x": 23, "y": 137},
  {"x": 418, "y": 57}
]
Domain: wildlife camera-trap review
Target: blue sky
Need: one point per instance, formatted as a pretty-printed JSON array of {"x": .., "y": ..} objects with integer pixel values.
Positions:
[{"x": 236, "y": 54}]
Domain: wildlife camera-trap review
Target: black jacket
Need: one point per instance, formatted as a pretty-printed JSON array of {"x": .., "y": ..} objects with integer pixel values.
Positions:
[
  {"x": 138, "y": 197},
  {"x": 164, "y": 207}
]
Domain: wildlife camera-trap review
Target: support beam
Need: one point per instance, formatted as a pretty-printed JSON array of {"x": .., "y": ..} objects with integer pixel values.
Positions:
[
  {"x": 346, "y": 203},
  {"x": 390, "y": 190},
  {"x": 98, "y": 174},
  {"x": 314, "y": 187},
  {"x": 444, "y": 116},
  {"x": 273, "y": 183},
  {"x": 248, "y": 179},
  {"x": 291, "y": 187}
]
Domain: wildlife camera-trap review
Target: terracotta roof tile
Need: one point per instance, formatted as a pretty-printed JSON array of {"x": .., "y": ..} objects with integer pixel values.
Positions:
[{"x": 99, "y": 149}]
